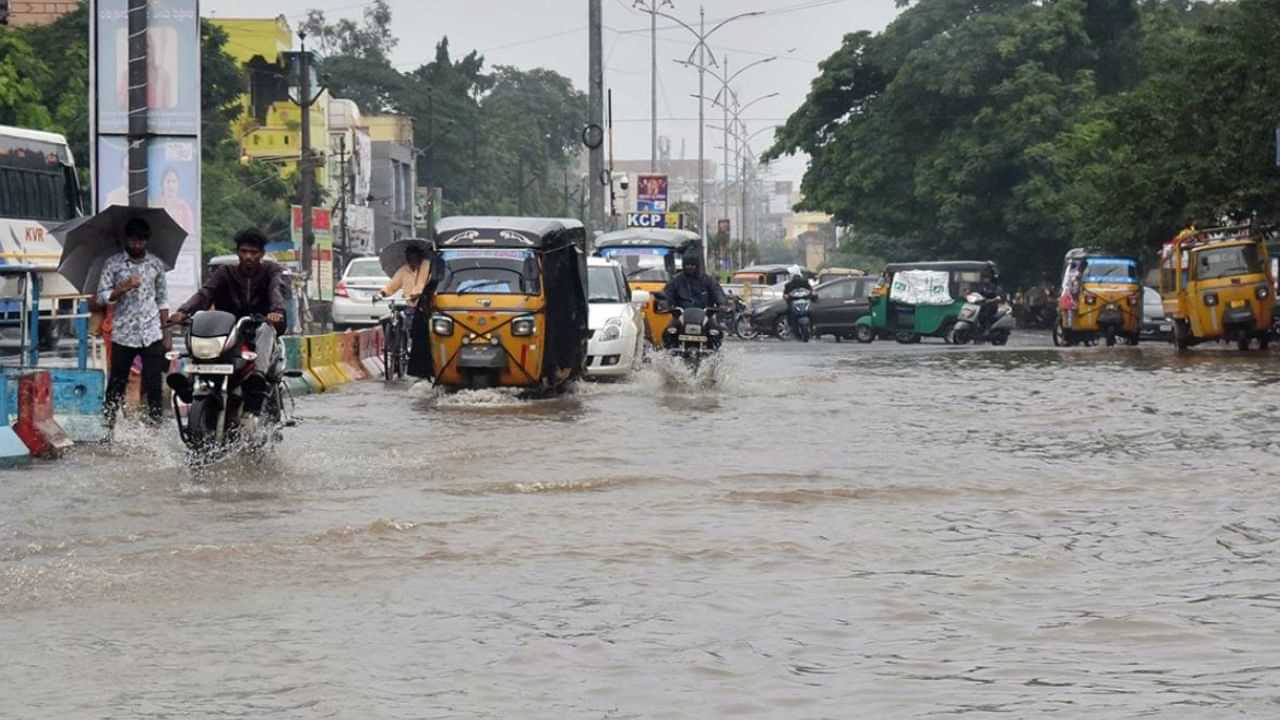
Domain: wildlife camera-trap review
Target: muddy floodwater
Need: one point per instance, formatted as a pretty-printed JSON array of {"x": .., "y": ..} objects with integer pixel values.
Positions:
[{"x": 826, "y": 531}]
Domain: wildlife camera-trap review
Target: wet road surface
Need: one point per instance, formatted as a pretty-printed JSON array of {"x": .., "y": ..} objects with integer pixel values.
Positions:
[{"x": 828, "y": 531}]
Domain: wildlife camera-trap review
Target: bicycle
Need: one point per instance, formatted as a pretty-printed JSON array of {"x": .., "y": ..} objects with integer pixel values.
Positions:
[{"x": 396, "y": 342}]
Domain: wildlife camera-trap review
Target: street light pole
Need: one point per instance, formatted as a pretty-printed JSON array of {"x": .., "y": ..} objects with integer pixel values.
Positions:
[
  {"x": 652, "y": 7},
  {"x": 702, "y": 34}
]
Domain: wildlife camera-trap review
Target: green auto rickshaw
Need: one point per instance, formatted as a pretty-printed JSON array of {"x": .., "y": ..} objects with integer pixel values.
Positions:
[{"x": 922, "y": 299}]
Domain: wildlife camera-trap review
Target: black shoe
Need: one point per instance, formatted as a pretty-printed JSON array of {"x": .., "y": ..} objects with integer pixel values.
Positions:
[
  {"x": 181, "y": 386},
  {"x": 256, "y": 389}
]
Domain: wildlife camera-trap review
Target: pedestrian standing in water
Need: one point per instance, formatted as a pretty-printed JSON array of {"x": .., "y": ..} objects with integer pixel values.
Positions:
[{"x": 133, "y": 284}]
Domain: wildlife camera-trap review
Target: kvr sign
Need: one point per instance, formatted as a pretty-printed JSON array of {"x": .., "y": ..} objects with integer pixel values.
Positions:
[{"x": 655, "y": 220}]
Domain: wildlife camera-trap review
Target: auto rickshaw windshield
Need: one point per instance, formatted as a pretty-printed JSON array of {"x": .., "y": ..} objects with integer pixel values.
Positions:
[
  {"x": 1220, "y": 262},
  {"x": 1115, "y": 271},
  {"x": 491, "y": 272},
  {"x": 642, "y": 264}
]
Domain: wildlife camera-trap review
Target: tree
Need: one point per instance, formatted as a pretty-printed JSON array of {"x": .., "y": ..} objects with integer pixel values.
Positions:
[{"x": 925, "y": 135}]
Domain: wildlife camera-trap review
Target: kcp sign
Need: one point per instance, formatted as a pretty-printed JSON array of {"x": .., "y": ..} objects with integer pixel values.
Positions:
[{"x": 654, "y": 220}]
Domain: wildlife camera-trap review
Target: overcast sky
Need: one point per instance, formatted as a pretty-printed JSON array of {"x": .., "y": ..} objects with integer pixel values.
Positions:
[{"x": 552, "y": 34}]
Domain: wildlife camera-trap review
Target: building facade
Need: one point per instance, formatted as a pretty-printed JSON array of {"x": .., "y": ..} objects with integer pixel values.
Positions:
[
  {"x": 350, "y": 173},
  {"x": 17, "y": 13},
  {"x": 392, "y": 182}
]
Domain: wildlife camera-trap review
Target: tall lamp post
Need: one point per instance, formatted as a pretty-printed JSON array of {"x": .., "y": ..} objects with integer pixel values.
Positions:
[{"x": 702, "y": 51}]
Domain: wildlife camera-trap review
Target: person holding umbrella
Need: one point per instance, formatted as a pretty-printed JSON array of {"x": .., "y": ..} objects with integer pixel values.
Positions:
[
  {"x": 414, "y": 278},
  {"x": 133, "y": 284}
]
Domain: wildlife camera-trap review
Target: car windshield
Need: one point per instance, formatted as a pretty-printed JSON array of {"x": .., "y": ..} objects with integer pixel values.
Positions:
[
  {"x": 1111, "y": 270},
  {"x": 641, "y": 264},
  {"x": 603, "y": 286},
  {"x": 491, "y": 272},
  {"x": 1214, "y": 263},
  {"x": 365, "y": 269}
]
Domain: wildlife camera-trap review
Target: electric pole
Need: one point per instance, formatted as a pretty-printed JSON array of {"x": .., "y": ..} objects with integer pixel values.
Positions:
[
  {"x": 595, "y": 91},
  {"x": 137, "y": 147},
  {"x": 304, "y": 162}
]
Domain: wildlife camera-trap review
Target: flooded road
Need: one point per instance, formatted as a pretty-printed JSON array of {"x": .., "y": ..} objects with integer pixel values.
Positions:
[{"x": 829, "y": 531}]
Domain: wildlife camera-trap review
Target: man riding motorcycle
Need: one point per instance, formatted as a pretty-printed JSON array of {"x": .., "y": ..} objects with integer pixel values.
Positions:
[
  {"x": 692, "y": 288},
  {"x": 254, "y": 287},
  {"x": 797, "y": 282}
]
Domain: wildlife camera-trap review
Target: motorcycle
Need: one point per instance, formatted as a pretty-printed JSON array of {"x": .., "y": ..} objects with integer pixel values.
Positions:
[
  {"x": 798, "y": 303},
  {"x": 693, "y": 335},
  {"x": 216, "y": 382},
  {"x": 975, "y": 325}
]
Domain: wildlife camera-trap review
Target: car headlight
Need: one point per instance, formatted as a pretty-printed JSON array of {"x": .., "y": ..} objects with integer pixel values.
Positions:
[
  {"x": 207, "y": 348},
  {"x": 523, "y": 326},
  {"x": 610, "y": 332},
  {"x": 442, "y": 325}
]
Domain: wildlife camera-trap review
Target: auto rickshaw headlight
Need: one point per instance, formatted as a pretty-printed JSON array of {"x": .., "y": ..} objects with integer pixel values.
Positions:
[
  {"x": 1262, "y": 292},
  {"x": 1090, "y": 299},
  {"x": 442, "y": 325},
  {"x": 1211, "y": 299},
  {"x": 523, "y": 326}
]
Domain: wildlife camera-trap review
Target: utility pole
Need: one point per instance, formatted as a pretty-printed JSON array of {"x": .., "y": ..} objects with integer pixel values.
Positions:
[
  {"x": 652, "y": 7},
  {"x": 304, "y": 162},
  {"x": 342, "y": 185},
  {"x": 595, "y": 92},
  {"x": 137, "y": 148},
  {"x": 724, "y": 105}
]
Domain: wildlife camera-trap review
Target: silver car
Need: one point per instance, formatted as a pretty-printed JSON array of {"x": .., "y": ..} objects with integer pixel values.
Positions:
[
  {"x": 353, "y": 298},
  {"x": 1155, "y": 324}
]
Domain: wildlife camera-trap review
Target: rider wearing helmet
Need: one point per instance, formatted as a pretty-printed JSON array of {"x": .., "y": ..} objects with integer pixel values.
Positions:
[{"x": 693, "y": 288}]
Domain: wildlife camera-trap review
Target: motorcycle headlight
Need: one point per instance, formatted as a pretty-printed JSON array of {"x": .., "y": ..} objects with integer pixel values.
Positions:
[
  {"x": 207, "y": 348},
  {"x": 523, "y": 326},
  {"x": 442, "y": 325},
  {"x": 610, "y": 332}
]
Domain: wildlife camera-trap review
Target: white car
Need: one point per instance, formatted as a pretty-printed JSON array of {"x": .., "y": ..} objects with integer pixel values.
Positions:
[
  {"x": 353, "y": 302},
  {"x": 616, "y": 347}
]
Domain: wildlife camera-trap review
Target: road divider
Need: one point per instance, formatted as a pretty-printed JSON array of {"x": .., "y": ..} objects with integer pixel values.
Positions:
[{"x": 42, "y": 435}]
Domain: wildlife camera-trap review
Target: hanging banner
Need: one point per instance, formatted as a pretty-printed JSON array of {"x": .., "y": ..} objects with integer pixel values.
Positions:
[
  {"x": 173, "y": 120},
  {"x": 290, "y": 254},
  {"x": 921, "y": 287}
]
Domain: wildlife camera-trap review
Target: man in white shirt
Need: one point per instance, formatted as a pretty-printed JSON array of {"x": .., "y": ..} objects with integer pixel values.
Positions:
[{"x": 133, "y": 283}]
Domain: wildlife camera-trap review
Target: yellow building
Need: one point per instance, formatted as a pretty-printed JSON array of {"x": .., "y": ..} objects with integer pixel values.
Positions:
[{"x": 270, "y": 129}]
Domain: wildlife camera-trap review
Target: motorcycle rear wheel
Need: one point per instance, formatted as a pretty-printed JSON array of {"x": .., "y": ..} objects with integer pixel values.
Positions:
[{"x": 744, "y": 329}]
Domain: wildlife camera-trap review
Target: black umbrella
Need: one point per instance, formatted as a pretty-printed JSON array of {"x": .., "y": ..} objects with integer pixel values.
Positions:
[
  {"x": 391, "y": 257},
  {"x": 88, "y": 242}
]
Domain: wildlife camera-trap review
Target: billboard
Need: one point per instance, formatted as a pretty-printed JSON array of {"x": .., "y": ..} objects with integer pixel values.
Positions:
[
  {"x": 290, "y": 253},
  {"x": 172, "y": 143},
  {"x": 173, "y": 67},
  {"x": 723, "y": 226},
  {"x": 651, "y": 193},
  {"x": 173, "y": 183}
]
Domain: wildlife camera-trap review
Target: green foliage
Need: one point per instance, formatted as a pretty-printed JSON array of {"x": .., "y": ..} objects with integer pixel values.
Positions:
[{"x": 1015, "y": 129}]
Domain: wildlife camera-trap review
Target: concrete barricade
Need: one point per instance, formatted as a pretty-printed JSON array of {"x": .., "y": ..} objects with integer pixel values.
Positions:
[
  {"x": 293, "y": 358},
  {"x": 324, "y": 360},
  {"x": 39, "y": 431},
  {"x": 367, "y": 343},
  {"x": 13, "y": 452},
  {"x": 349, "y": 356},
  {"x": 77, "y": 402},
  {"x": 379, "y": 350}
]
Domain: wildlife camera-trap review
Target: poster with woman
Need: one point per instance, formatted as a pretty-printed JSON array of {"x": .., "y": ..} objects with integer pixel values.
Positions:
[{"x": 173, "y": 184}]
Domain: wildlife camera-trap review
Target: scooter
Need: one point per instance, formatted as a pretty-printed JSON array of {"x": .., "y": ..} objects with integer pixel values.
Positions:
[
  {"x": 976, "y": 326},
  {"x": 798, "y": 304},
  {"x": 218, "y": 387}
]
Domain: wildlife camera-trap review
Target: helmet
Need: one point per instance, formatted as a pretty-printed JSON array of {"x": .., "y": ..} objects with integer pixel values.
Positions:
[{"x": 691, "y": 261}]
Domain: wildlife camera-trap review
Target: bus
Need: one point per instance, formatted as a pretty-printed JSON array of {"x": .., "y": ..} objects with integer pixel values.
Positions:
[{"x": 39, "y": 190}]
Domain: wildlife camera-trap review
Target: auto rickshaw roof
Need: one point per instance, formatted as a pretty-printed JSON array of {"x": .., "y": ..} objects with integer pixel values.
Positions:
[
  {"x": 943, "y": 265},
  {"x": 648, "y": 237},
  {"x": 1083, "y": 254},
  {"x": 508, "y": 232},
  {"x": 764, "y": 269}
]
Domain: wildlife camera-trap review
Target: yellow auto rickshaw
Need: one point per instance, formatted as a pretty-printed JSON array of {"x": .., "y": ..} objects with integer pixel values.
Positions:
[
  {"x": 650, "y": 258},
  {"x": 1216, "y": 285},
  {"x": 1101, "y": 298},
  {"x": 510, "y": 309}
]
